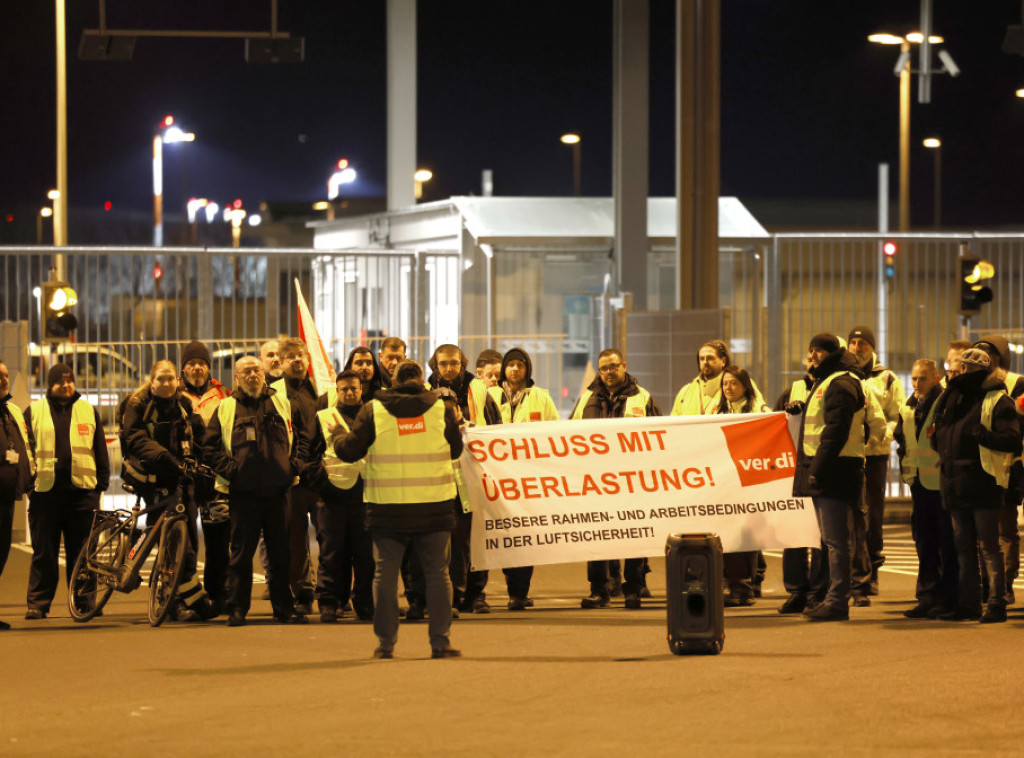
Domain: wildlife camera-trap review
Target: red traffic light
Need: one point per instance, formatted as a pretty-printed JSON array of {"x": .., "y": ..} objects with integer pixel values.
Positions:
[
  {"x": 107, "y": 205},
  {"x": 890, "y": 248},
  {"x": 157, "y": 271}
]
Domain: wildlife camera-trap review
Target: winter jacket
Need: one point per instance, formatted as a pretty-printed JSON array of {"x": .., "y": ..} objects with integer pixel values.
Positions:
[
  {"x": 15, "y": 478},
  {"x": 156, "y": 434},
  {"x": 602, "y": 404}
]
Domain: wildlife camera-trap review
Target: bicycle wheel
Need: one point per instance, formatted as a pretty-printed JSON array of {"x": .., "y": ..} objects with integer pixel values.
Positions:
[
  {"x": 167, "y": 568},
  {"x": 89, "y": 591}
]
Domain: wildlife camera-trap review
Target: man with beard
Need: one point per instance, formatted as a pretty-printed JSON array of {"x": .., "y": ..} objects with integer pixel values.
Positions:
[
  {"x": 271, "y": 360},
  {"x": 252, "y": 445},
  {"x": 72, "y": 469},
  {"x": 392, "y": 350},
  {"x": 614, "y": 393},
  {"x": 15, "y": 465}
]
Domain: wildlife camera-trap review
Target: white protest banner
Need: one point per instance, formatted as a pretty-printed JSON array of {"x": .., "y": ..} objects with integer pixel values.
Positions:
[{"x": 567, "y": 491}]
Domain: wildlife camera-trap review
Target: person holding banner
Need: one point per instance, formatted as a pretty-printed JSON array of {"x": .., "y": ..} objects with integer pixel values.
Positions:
[
  {"x": 516, "y": 400},
  {"x": 703, "y": 395},
  {"x": 409, "y": 437},
  {"x": 739, "y": 396},
  {"x": 830, "y": 462},
  {"x": 614, "y": 393}
]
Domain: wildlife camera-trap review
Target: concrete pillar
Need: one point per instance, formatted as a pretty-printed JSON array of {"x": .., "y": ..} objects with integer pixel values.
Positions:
[{"x": 401, "y": 136}]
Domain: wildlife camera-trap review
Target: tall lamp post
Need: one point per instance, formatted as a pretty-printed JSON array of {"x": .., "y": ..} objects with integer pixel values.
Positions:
[
  {"x": 577, "y": 161},
  {"x": 168, "y": 133},
  {"x": 935, "y": 145}
]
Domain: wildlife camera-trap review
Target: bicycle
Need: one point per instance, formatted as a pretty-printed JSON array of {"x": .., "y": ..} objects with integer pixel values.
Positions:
[{"x": 116, "y": 550}]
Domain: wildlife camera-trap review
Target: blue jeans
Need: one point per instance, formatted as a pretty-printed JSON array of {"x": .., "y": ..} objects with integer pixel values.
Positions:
[
  {"x": 834, "y": 517},
  {"x": 434, "y": 551}
]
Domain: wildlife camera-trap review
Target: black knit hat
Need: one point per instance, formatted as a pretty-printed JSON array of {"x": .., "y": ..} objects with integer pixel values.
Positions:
[
  {"x": 57, "y": 372},
  {"x": 825, "y": 341},
  {"x": 196, "y": 350},
  {"x": 865, "y": 333}
]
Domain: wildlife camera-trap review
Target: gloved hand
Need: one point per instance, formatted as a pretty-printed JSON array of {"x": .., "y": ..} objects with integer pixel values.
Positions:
[{"x": 795, "y": 408}]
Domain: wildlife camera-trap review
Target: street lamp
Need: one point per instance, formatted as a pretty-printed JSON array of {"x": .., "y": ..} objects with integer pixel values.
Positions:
[
  {"x": 935, "y": 144},
  {"x": 903, "y": 71},
  {"x": 577, "y": 169},
  {"x": 44, "y": 212},
  {"x": 421, "y": 176},
  {"x": 168, "y": 133}
]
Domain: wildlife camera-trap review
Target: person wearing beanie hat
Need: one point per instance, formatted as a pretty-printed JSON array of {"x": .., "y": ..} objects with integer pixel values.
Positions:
[
  {"x": 516, "y": 400},
  {"x": 887, "y": 388},
  {"x": 205, "y": 394},
  {"x": 830, "y": 462},
  {"x": 998, "y": 350},
  {"x": 977, "y": 432},
  {"x": 72, "y": 470}
]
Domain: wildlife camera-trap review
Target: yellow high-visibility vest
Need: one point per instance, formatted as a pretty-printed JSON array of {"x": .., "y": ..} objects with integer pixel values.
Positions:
[
  {"x": 226, "y": 415},
  {"x": 814, "y": 423},
  {"x": 83, "y": 461},
  {"x": 536, "y": 406},
  {"x": 799, "y": 392},
  {"x": 636, "y": 405},
  {"x": 996, "y": 464},
  {"x": 477, "y": 401},
  {"x": 341, "y": 474},
  {"x": 19, "y": 421},
  {"x": 921, "y": 460},
  {"x": 410, "y": 459}
]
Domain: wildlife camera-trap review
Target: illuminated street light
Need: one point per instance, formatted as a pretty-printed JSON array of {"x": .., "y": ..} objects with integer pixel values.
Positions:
[
  {"x": 169, "y": 133},
  {"x": 421, "y": 176},
  {"x": 44, "y": 212},
  {"x": 574, "y": 141},
  {"x": 934, "y": 143},
  {"x": 343, "y": 174}
]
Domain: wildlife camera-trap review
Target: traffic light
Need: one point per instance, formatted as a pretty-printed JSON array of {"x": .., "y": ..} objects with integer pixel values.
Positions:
[
  {"x": 889, "y": 251},
  {"x": 58, "y": 318},
  {"x": 974, "y": 293}
]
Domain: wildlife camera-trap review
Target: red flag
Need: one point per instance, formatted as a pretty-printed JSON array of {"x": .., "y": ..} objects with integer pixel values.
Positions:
[{"x": 320, "y": 367}]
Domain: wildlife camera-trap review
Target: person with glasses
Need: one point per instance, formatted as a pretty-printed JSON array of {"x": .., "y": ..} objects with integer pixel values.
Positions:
[{"x": 614, "y": 393}]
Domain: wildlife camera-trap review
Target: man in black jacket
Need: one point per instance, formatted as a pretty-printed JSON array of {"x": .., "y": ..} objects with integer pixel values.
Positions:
[
  {"x": 253, "y": 446},
  {"x": 830, "y": 462},
  {"x": 15, "y": 465},
  {"x": 409, "y": 437}
]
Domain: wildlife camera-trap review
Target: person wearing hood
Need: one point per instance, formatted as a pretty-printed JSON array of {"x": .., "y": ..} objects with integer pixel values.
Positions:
[
  {"x": 977, "y": 432},
  {"x": 449, "y": 376},
  {"x": 72, "y": 470},
  {"x": 614, "y": 393},
  {"x": 409, "y": 437},
  {"x": 16, "y": 465},
  {"x": 998, "y": 350},
  {"x": 888, "y": 389},
  {"x": 160, "y": 431},
  {"x": 830, "y": 461},
  {"x": 205, "y": 394},
  {"x": 932, "y": 528},
  {"x": 517, "y": 400}
]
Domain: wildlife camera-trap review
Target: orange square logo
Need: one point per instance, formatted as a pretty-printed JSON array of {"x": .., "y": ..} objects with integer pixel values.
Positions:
[
  {"x": 534, "y": 415},
  {"x": 84, "y": 430},
  {"x": 416, "y": 425},
  {"x": 761, "y": 449}
]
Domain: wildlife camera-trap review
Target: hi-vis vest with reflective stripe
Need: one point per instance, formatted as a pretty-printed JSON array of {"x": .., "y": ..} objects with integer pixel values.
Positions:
[
  {"x": 477, "y": 401},
  {"x": 636, "y": 405},
  {"x": 920, "y": 460},
  {"x": 799, "y": 392},
  {"x": 814, "y": 423},
  {"x": 690, "y": 401},
  {"x": 410, "y": 459},
  {"x": 536, "y": 406},
  {"x": 226, "y": 415},
  {"x": 995, "y": 463},
  {"x": 341, "y": 474},
  {"x": 19, "y": 421},
  {"x": 83, "y": 462}
]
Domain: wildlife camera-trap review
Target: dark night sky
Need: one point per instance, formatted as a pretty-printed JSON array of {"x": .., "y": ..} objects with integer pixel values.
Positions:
[{"x": 809, "y": 107}]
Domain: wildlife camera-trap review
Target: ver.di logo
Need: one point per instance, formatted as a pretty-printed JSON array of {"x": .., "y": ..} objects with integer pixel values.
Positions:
[
  {"x": 761, "y": 449},
  {"x": 414, "y": 425}
]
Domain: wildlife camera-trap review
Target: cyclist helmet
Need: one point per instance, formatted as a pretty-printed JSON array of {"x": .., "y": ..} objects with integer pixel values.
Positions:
[{"x": 215, "y": 512}]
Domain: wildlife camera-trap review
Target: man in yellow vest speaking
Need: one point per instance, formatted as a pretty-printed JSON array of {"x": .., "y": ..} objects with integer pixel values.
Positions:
[
  {"x": 409, "y": 437},
  {"x": 72, "y": 469},
  {"x": 919, "y": 464}
]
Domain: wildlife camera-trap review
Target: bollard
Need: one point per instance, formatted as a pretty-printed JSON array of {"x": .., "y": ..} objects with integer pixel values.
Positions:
[{"x": 696, "y": 606}]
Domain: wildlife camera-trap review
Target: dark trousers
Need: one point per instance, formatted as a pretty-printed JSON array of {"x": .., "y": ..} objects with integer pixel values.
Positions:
[
  {"x": 834, "y": 518},
  {"x": 517, "y": 580},
  {"x": 805, "y": 571},
  {"x": 972, "y": 526},
  {"x": 932, "y": 528},
  {"x": 6, "y": 529},
  {"x": 467, "y": 585},
  {"x": 740, "y": 570},
  {"x": 599, "y": 574},
  {"x": 412, "y": 576},
  {"x": 867, "y": 524},
  {"x": 249, "y": 516},
  {"x": 52, "y": 515},
  {"x": 1009, "y": 538},
  {"x": 300, "y": 510},
  {"x": 346, "y": 554},
  {"x": 216, "y": 538},
  {"x": 161, "y": 502}
]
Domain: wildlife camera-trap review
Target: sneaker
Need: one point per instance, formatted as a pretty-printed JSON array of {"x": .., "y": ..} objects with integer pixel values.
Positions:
[
  {"x": 826, "y": 612},
  {"x": 415, "y": 612},
  {"x": 517, "y": 604},
  {"x": 383, "y": 653},
  {"x": 994, "y": 614},
  {"x": 795, "y": 603},
  {"x": 594, "y": 601},
  {"x": 919, "y": 611},
  {"x": 481, "y": 606},
  {"x": 445, "y": 652},
  {"x": 35, "y": 614},
  {"x": 633, "y": 601},
  {"x": 236, "y": 618}
]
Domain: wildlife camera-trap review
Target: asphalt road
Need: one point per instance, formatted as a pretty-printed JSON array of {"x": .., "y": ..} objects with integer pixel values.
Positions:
[{"x": 554, "y": 681}]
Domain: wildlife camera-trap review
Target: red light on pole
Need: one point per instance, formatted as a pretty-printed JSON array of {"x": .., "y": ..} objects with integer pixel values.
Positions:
[
  {"x": 237, "y": 204},
  {"x": 158, "y": 271},
  {"x": 107, "y": 205},
  {"x": 168, "y": 121},
  {"x": 342, "y": 164},
  {"x": 890, "y": 248}
]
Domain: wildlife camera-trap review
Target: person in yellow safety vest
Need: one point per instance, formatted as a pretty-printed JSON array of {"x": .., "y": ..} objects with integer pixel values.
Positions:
[
  {"x": 72, "y": 468},
  {"x": 886, "y": 386},
  {"x": 205, "y": 393},
  {"x": 409, "y": 437},
  {"x": 253, "y": 446},
  {"x": 830, "y": 461},
  {"x": 15, "y": 465},
  {"x": 449, "y": 375},
  {"x": 704, "y": 393},
  {"x": 614, "y": 393},
  {"x": 345, "y": 570},
  {"x": 977, "y": 433},
  {"x": 998, "y": 349},
  {"x": 932, "y": 527},
  {"x": 488, "y": 370},
  {"x": 517, "y": 400}
]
